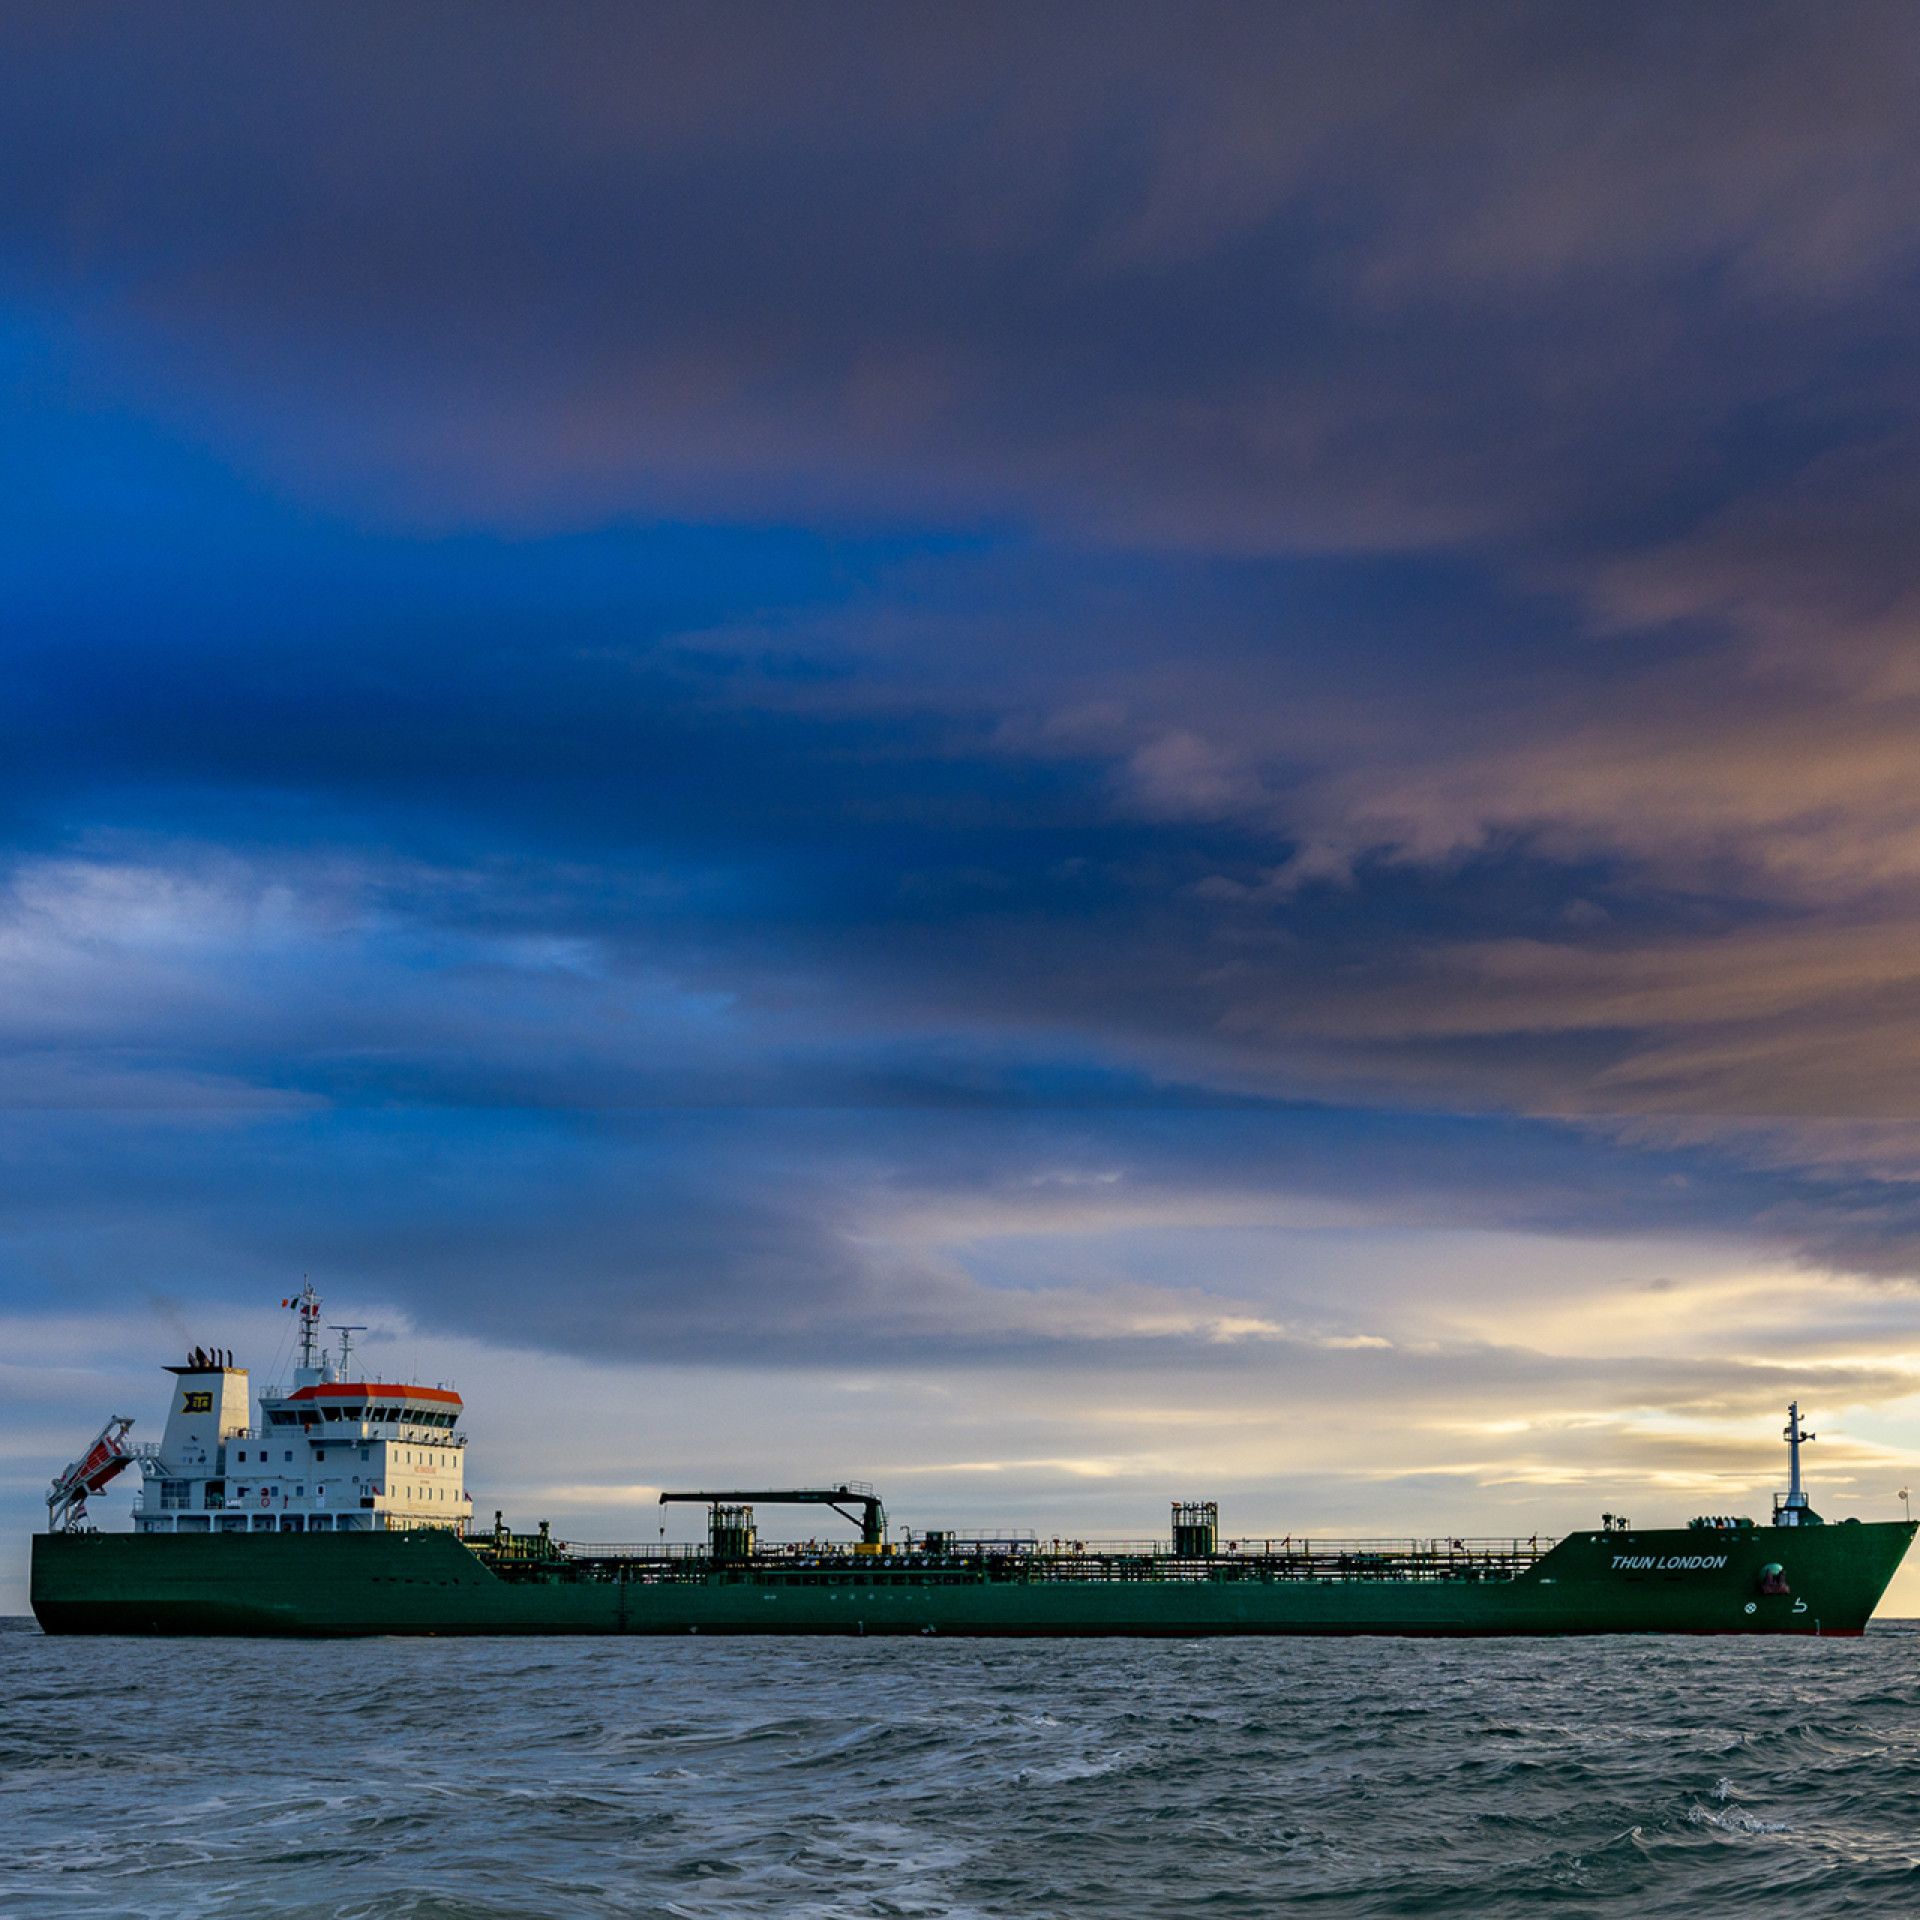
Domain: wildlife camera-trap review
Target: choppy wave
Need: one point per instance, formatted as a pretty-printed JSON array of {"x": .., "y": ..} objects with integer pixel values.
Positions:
[{"x": 493, "y": 1780}]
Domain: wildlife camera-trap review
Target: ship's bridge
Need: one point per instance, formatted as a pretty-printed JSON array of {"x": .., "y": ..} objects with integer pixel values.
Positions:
[{"x": 369, "y": 1404}]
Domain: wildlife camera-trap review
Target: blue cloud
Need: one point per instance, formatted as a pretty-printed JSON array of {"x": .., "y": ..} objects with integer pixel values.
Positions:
[{"x": 661, "y": 672}]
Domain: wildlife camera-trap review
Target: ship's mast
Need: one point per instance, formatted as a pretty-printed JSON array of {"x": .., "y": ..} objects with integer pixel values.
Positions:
[
  {"x": 1796, "y": 1436},
  {"x": 308, "y": 1306}
]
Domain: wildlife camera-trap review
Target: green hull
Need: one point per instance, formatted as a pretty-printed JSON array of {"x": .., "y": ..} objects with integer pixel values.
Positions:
[{"x": 1680, "y": 1581}]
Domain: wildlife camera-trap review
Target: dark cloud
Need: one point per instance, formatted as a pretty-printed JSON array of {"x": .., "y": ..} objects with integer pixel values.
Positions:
[
  {"x": 1362, "y": 277},
  {"x": 1334, "y": 576}
]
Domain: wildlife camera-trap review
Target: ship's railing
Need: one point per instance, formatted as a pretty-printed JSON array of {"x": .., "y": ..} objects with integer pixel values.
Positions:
[
  {"x": 1530, "y": 1545},
  {"x": 319, "y": 1421},
  {"x": 1282, "y": 1558},
  {"x": 629, "y": 1549},
  {"x": 1263, "y": 1547},
  {"x": 1499, "y": 1561},
  {"x": 346, "y": 1433}
]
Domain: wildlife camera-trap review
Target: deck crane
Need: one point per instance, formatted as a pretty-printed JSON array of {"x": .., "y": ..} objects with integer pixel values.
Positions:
[{"x": 871, "y": 1518}]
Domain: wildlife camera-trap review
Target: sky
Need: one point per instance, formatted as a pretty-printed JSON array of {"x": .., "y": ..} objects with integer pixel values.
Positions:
[{"x": 1065, "y": 756}]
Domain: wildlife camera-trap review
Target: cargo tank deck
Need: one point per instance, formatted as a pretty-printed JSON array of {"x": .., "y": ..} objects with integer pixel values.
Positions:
[{"x": 1038, "y": 1563}]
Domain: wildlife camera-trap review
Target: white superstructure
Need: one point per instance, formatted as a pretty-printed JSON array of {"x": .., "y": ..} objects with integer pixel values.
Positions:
[{"x": 333, "y": 1455}]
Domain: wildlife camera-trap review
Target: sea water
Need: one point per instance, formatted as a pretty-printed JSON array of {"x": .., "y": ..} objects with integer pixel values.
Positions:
[{"x": 706, "y": 1777}]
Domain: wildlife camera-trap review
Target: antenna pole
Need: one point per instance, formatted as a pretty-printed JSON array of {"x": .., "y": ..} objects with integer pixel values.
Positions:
[{"x": 346, "y": 1345}]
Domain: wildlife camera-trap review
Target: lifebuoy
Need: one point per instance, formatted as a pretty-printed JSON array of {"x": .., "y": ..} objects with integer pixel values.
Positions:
[{"x": 266, "y": 1499}]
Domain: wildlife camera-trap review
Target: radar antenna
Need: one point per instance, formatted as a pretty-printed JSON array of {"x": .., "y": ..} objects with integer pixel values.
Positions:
[{"x": 346, "y": 1345}]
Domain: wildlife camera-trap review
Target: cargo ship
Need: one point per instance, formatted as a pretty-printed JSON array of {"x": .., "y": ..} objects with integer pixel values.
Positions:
[{"x": 340, "y": 1508}]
